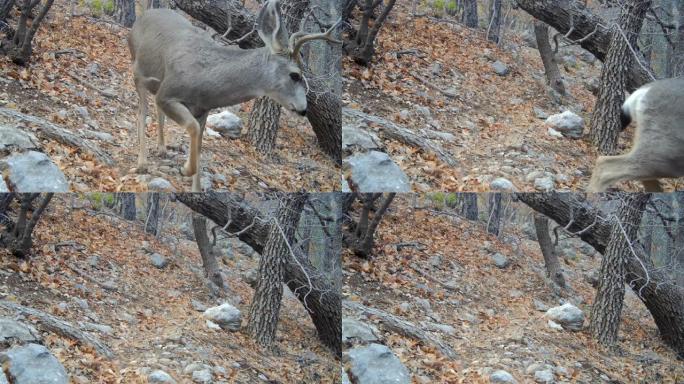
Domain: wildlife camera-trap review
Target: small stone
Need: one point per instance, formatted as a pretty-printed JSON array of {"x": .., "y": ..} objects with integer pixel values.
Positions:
[
  {"x": 502, "y": 184},
  {"x": 500, "y": 68},
  {"x": 32, "y": 364},
  {"x": 500, "y": 260},
  {"x": 501, "y": 376},
  {"x": 545, "y": 376},
  {"x": 158, "y": 261},
  {"x": 202, "y": 376},
  {"x": 160, "y": 376},
  {"x": 544, "y": 183},
  {"x": 160, "y": 184}
]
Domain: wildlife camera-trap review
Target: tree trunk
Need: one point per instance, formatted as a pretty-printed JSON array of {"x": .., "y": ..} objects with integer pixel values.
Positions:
[
  {"x": 469, "y": 205},
  {"x": 678, "y": 65},
  {"x": 553, "y": 75},
  {"x": 18, "y": 236},
  {"x": 495, "y": 18},
  {"x": 605, "y": 120},
  {"x": 324, "y": 106},
  {"x": 470, "y": 13},
  {"x": 361, "y": 238},
  {"x": 263, "y": 124},
  {"x": 152, "y": 217},
  {"x": 553, "y": 268},
  {"x": 127, "y": 208},
  {"x": 125, "y": 12},
  {"x": 494, "y": 221},
  {"x": 265, "y": 308},
  {"x": 361, "y": 47},
  {"x": 5, "y": 8},
  {"x": 209, "y": 263},
  {"x": 607, "y": 309},
  {"x": 563, "y": 15},
  {"x": 664, "y": 301},
  {"x": 19, "y": 48},
  {"x": 319, "y": 297}
]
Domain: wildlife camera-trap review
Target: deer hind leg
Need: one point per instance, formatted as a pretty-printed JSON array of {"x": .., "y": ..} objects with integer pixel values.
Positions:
[
  {"x": 196, "y": 183},
  {"x": 181, "y": 115},
  {"x": 141, "y": 124}
]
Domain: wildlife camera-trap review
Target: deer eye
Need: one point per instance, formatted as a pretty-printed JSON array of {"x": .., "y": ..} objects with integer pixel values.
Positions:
[{"x": 296, "y": 77}]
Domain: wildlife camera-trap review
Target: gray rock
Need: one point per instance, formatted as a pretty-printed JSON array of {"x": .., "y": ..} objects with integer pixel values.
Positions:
[
  {"x": 424, "y": 303},
  {"x": 202, "y": 376},
  {"x": 436, "y": 69},
  {"x": 500, "y": 68},
  {"x": 3, "y": 186},
  {"x": 375, "y": 364},
  {"x": 569, "y": 61},
  {"x": 160, "y": 376},
  {"x": 94, "y": 261},
  {"x": 198, "y": 306},
  {"x": 540, "y": 113},
  {"x": 97, "y": 135},
  {"x": 435, "y": 261},
  {"x": 12, "y": 138},
  {"x": 105, "y": 329},
  {"x": 83, "y": 111},
  {"x": 158, "y": 261},
  {"x": 357, "y": 137},
  {"x": 93, "y": 68},
  {"x": 355, "y": 331},
  {"x": 226, "y": 123},
  {"x": 345, "y": 377},
  {"x": 13, "y": 331},
  {"x": 544, "y": 183},
  {"x": 425, "y": 111},
  {"x": 251, "y": 277},
  {"x": 544, "y": 376},
  {"x": 500, "y": 260},
  {"x": 502, "y": 184},
  {"x": 501, "y": 376},
  {"x": 33, "y": 172},
  {"x": 160, "y": 184},
  {"x": 82, "y": 303},
  {"x": 540, "y": 306},
  {"x": 226, "y": 316},
  {"x": 568, "y": 316},
  {"x": 444, "y": 328},
  {"x": 567, "y": 123},
  {"x": 375, "y": 172},
  {"x": 32, "y": 364}
]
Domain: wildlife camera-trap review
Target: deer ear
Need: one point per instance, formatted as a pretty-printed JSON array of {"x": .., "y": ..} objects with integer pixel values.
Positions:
[{"x": 271, "y": 28}]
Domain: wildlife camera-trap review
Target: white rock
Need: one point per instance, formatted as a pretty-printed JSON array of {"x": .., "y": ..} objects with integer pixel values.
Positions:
[
  {"x": 501, "y": 376},
  {"x": 568, "y": 316},
  {"x": 226, "y": 316},
  {"x": 160, "y": 376}
]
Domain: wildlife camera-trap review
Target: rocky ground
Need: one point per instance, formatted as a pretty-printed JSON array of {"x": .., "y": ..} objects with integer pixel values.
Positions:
[
  {"x": 444, "y": 109},
  {"x": 146, "y": 301},
  {"x": 484, "y": 310},
  {"x": 80, "y": 81}
]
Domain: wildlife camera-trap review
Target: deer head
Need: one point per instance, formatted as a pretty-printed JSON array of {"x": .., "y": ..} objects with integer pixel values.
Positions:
[{"x": 289, "y": 85}]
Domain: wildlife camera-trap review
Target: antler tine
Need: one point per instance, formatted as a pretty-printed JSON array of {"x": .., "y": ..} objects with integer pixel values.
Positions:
[{"x": 298, "y": 39}]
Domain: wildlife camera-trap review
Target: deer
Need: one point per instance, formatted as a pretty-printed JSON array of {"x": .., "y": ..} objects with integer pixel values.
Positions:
[
  {"x": 657, "y": 151},
  {"x": 189, "y": 73}
]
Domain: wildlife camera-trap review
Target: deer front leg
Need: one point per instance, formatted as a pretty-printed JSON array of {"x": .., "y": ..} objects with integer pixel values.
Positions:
[
  {"x": 611, "y": 169},
  {"x": 181, "y": 115},
  {"x": 161, "y": 146},
  {"x": 142, "y": 115},
  {"x": 196, "y": 178}
]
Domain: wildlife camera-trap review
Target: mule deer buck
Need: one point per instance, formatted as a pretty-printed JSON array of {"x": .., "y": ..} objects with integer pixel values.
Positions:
[
  {"x": 190, "y": 74},
  {"x": 658, "y": 148}
]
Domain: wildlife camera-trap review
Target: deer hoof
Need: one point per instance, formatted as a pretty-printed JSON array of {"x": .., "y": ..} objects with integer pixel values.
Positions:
[{"x": 186, "y": 170}]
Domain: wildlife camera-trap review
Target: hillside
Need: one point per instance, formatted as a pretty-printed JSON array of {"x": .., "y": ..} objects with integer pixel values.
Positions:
[
  {"x": 93, "y": 270},
  {"x": 436, "y": 270},
  {"x": 436, "y": 78},
  {"x": 80, "y": 78}
]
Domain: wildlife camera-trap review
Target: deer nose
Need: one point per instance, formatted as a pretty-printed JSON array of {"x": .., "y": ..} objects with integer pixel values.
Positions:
[{"x": 302, "y": 113}]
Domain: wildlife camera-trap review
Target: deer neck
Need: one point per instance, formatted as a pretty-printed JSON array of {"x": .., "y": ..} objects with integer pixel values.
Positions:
[{"x": 244, "y": 75}]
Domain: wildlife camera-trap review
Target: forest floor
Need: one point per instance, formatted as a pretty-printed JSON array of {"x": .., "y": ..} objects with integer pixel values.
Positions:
[
  {"x": 493, "y": 130},
  {"x": 493, "y": 310},
  {"x": 154, "y": 324},
  {"x": 80, "y": 78}
]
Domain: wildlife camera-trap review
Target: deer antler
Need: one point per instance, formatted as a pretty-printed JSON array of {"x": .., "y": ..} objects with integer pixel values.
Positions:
[{"x": 298, "y": 39}]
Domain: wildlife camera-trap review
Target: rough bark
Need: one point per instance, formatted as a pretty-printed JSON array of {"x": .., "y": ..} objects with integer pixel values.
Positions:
[
  {"x": 265, "y": 308},
  {"x": 588, "y": 27},
  {"x": 361, "y": 236},
  {"x": 553, "y": 268},
  {"x": 125, "y": 12},
  {"x": 18, "y": 236},
  {"x": 263, "y": 124},
  {"x": 664, "y": 301},
  {"x": 470, "y": 13},
  {"x": 469, "y": 205},
  {"x": 324, "y": 106},
  {"x": 553, "y": 75},
  {"x": 495, "y": 18},
  {"x": 127, "y": 207},
  {"x": 605, "y": 121},
  {"x": 209, "y": 263},
  {"x": 494, "y": 215},
  {"x": 317, "y": 294},
  {"x": 5, "y": 8},
  {"x": 152, "y": 216},
  {"x": 607, "y": 308}
]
